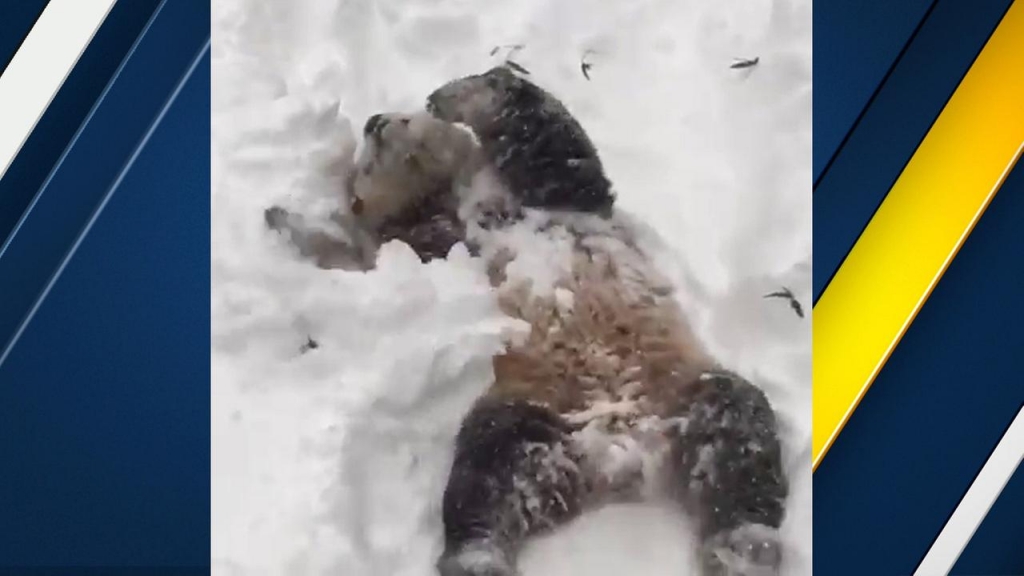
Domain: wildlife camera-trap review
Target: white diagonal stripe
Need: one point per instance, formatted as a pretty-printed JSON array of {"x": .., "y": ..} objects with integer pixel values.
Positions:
[
  {"x": 976, "y": 503},
  {"x": 40, "y": 66}
]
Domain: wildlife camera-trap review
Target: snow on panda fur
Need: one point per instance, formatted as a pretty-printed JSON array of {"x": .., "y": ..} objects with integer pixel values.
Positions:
[{"x": 610, "y": 396}]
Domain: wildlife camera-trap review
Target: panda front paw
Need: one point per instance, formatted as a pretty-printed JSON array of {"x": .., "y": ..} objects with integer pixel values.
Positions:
[
  {"x": 476, "y": 561},
  {"x": 750, "y": 550},
  {"x": 276, "y": 218}
]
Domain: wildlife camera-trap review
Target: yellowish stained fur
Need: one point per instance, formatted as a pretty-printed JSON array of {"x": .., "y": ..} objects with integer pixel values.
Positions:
[{"x": 622, "y": 339}]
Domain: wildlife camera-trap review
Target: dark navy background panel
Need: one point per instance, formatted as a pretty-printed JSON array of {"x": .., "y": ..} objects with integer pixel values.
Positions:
[
  {"x": 855, "y": 44},
  {"x": 934, "y": 413},
  {"x": 16, "y": 19},
  {"x": 69, "y": 108},
  {"x": 943, "y": 400},
  {"x": 92, "y": 165},
  {"x": 890, "y": 130},
  {"x": 104, "y": 398},
  {"x": 997, "y": 547}
]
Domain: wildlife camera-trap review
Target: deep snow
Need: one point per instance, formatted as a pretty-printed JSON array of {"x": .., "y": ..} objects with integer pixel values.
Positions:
[{"x": 333, "y": 461}]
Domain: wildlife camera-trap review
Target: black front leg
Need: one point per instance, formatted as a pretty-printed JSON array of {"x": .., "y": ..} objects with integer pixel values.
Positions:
[{"x": 326, "y": 250}]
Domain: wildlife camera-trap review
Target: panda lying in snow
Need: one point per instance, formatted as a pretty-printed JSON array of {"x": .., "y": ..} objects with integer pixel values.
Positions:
[{"x": 610, "y": 360}]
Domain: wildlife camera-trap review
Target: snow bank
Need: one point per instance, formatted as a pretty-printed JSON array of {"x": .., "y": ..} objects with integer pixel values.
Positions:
[{"x": 332, "y": 460}]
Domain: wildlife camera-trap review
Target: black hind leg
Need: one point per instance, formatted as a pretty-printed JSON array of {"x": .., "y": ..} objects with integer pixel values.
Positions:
[
  {"x": 728, "y": 473},
  {"x": 515, "y": 474}
]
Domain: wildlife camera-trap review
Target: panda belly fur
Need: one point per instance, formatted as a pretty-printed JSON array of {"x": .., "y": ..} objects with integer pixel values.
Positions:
[{"x": 607, "y": 349}]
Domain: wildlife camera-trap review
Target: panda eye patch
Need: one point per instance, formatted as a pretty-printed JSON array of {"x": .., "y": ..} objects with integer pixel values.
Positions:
[
  {"x": 357, "y": 205},
  {"x": 405, "y": 121}
]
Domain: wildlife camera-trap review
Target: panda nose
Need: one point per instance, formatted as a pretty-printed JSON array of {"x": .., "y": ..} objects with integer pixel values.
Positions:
[{"x": 374, "y": 124}]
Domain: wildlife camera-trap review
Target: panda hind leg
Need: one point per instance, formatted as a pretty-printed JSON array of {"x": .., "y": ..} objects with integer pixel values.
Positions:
[
  {"x": 727, "y": 472},
  {"x": 515, "y": 475}
]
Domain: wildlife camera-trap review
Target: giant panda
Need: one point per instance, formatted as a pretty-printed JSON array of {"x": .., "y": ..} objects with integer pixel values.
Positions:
[{"x": 610, "y": 366}]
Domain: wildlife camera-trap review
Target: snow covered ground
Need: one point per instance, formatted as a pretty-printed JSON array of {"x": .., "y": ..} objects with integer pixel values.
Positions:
[{"x": 333, "y": 461}]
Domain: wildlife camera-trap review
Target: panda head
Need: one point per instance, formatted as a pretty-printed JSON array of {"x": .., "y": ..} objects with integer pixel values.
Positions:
[{"x": 406, "y": 159}]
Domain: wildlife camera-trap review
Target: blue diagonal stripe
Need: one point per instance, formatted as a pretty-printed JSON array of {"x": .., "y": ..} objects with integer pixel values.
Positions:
[
  {"x": 891, "y": 129},
  {"x": 856, "y": 44}
]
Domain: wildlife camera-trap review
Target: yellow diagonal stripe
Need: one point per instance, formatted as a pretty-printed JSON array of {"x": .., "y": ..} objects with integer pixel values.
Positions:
[{"x": 918, "y": 229}]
